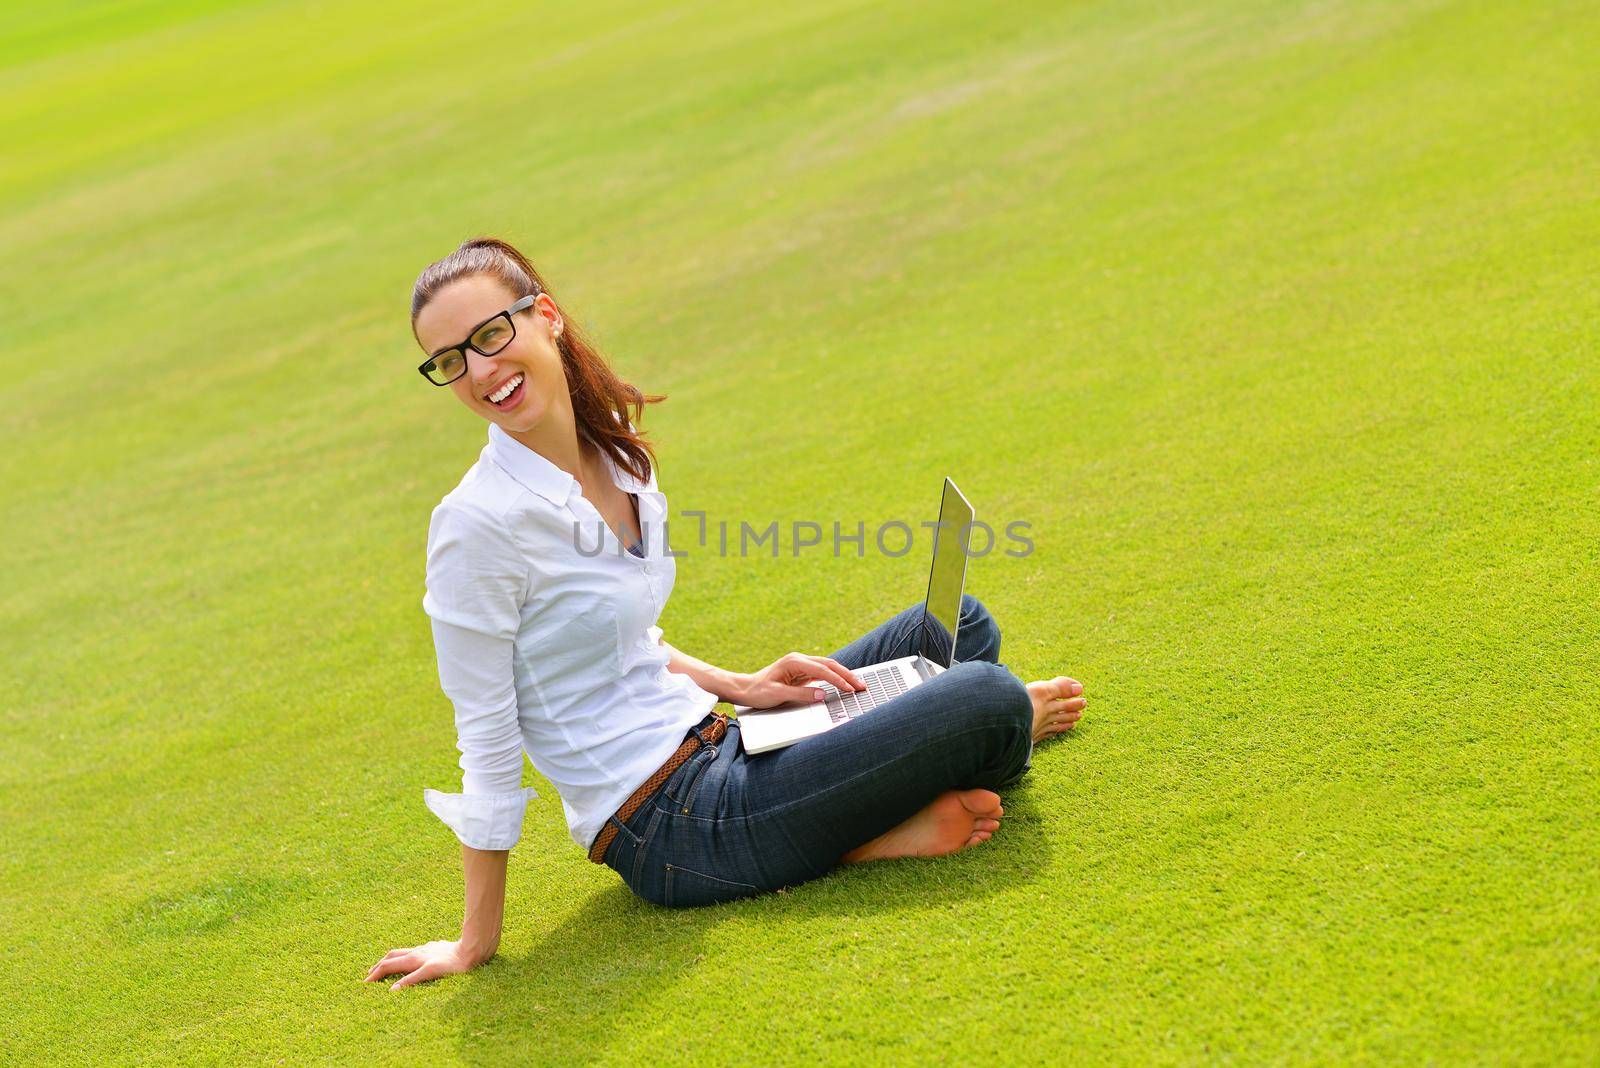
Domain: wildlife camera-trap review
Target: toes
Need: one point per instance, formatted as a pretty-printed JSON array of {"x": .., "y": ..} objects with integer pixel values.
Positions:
[
  {"x": 1057, "y": 725},
  {"x": 986, "y": 825},
  {"x": 981, "y": 802},
  {"x": 1061, "y": 718},
  {"x": 1067, "y": 717},
  {"x": 1061, "y": 688}
]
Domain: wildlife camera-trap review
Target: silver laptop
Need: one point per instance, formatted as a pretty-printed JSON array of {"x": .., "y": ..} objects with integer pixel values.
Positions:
[{"x": 932, "y": 642}]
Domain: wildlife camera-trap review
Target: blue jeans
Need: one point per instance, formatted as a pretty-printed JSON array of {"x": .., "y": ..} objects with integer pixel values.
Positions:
[{"x": 728, "y": 825}]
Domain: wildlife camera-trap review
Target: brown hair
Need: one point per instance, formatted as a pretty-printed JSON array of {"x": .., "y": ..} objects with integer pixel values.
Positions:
[{"x": 600, "y": 400}]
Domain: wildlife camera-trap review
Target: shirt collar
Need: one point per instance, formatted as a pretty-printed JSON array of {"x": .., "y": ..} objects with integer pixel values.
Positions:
[{"x": 543, "y": 477}]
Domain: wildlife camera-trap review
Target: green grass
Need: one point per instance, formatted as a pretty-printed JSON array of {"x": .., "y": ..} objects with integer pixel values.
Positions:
[{"x": 1277, "y": 321}]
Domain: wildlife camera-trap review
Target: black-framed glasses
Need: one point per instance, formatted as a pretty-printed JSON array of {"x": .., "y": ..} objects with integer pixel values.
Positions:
[{"x": 486, "y": 339}]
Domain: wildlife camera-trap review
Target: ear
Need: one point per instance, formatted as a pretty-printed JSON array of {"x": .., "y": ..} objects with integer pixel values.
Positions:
[{"x": 546, "y": 309}]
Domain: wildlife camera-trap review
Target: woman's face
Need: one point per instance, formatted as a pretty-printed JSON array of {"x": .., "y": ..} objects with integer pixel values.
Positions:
[{"x": 529, "y": 361}]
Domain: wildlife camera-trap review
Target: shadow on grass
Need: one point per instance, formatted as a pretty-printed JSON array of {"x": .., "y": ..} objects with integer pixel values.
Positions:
[
  {"x": 210, "y": 906},
  {"x": 565, "y": 999}
]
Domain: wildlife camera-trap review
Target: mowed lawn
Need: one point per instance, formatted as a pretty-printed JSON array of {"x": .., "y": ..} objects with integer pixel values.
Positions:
[{"x": 1275, "y": 321}]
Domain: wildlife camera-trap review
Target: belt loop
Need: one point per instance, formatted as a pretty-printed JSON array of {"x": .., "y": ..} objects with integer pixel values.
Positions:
[{"x": 695, "y": 730}]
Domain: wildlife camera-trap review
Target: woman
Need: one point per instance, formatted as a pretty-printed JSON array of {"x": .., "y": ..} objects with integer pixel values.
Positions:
[{"x": 547, "y": 645}]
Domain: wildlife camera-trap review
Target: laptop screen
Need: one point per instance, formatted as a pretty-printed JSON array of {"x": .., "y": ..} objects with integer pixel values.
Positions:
[{"x": 941, "y": 613}]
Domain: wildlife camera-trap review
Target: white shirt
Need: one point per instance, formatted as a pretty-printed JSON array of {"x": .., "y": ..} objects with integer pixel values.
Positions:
[{"x": 544, "y": 649}]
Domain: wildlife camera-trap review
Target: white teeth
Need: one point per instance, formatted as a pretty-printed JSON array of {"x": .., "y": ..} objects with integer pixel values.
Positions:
[{"x": 505, "y": 391}]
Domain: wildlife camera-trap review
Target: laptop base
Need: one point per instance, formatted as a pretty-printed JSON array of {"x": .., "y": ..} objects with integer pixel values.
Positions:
[{"x": 764, "y": 729}]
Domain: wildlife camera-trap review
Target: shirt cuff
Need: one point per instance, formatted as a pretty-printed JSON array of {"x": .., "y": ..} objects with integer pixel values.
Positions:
[{"x": 482, "y": 821}]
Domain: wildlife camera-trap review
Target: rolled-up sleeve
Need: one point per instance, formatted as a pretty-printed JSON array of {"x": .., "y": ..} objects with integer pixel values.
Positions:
[{"x": 476, "y": 580}]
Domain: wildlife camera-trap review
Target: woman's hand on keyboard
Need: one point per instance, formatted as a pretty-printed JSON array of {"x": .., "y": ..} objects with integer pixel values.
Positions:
[{"x": 793, "y": 678}]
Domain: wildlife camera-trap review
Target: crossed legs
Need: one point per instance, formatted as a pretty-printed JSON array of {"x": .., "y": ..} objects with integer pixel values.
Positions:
[{"x": 959, "y": 818}]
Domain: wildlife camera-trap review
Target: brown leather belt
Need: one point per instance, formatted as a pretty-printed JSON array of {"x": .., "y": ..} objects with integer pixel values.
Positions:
[{"x": 713, "y": 734}]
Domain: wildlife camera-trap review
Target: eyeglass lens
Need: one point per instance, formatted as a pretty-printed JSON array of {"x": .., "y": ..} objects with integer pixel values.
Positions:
[{"x": 488, "y": 339}]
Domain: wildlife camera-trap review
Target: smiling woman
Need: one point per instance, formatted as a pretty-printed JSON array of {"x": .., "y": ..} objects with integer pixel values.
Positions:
[
  {"x": 551, "y": 649},
  {"x": 484, "y": 357}
]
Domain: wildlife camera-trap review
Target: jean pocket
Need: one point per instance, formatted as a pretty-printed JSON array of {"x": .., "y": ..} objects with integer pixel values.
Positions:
[
  {"x": 689, "y": 777},
  {"x": 685, "y": 887}
]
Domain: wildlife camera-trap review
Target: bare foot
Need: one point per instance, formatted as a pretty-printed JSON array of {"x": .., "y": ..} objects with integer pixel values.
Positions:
[
  {"x": 954, "y": 820},
  {"x": 1057, "y": 706}
]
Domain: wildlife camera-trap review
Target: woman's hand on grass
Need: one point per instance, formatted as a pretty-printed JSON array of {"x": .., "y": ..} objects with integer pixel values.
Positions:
[
  {"x": 785, "y": 680},
  {"x": 421, "y": 963}
]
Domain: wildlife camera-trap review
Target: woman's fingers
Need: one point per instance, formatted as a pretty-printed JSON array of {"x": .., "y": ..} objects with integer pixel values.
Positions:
[
  {"x": 394, "y": 955},
  {"x": 820, "y": 667},
  {"x": 773, "y": 692},
  {"x": 387, "y": 967},
  {"x": 800, "y": 693},
  {"x": 793, "y": 677},
  {"x": 846, "y": 672},
  {"x": 828, "y": 673},
  {"x": 430, "y": 970}
]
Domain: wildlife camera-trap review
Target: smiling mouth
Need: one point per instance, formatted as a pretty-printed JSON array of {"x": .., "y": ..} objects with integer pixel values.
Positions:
[{"x": 510, "y": 394}]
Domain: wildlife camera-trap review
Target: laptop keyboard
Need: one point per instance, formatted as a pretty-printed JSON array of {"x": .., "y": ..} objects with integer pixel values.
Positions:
[{"x": 882, "y": 685}]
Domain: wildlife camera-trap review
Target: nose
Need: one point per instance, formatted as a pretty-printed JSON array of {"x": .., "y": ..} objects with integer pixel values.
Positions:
[{"x": 482, "y": 371}]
